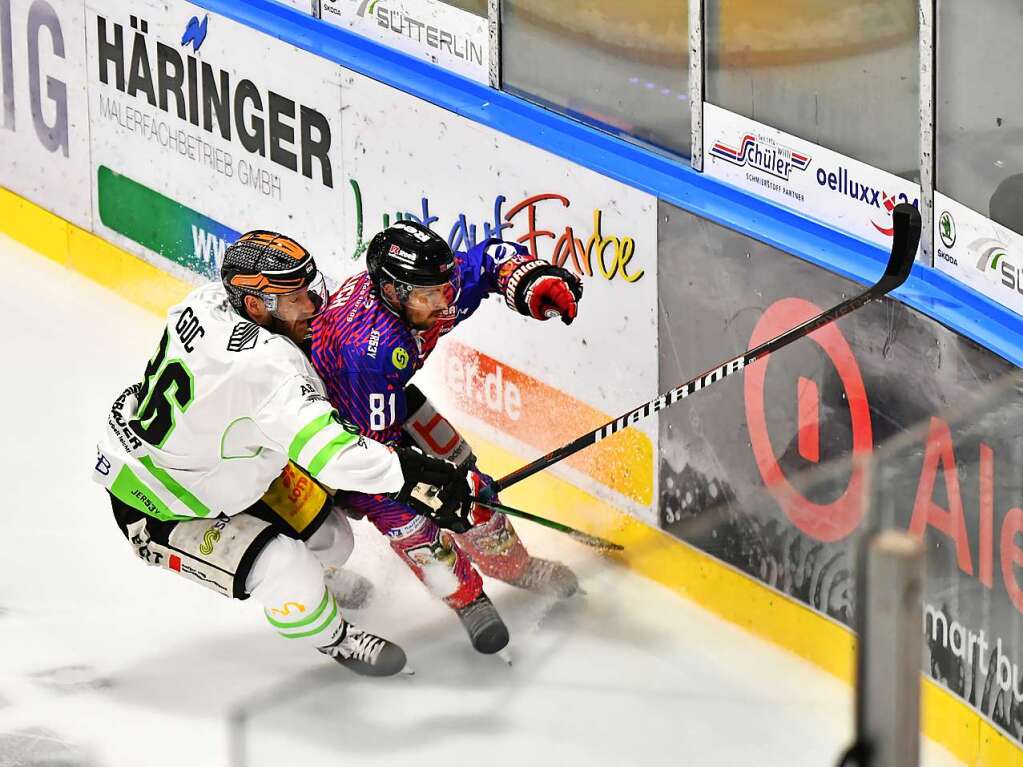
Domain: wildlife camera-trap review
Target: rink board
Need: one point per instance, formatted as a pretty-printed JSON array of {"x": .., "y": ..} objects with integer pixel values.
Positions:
[
  {"x": 575, "y": 196},
  {"x": 707, "y": 580},
  {"x": 758, "y": 475}
]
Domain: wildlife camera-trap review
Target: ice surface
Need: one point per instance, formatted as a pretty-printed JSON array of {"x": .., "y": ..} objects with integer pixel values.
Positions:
[{"x": 106, "y": 662}]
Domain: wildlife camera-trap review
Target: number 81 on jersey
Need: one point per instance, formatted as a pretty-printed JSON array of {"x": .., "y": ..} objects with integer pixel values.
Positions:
[{"x": 381, "y": 411}]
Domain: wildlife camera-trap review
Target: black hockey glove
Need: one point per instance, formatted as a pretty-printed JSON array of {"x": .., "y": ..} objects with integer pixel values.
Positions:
[{"x": 435, "y": 488}]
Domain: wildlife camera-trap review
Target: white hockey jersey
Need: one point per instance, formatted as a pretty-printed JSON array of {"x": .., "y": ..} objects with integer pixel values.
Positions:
[{"x": 224, "y": 405}]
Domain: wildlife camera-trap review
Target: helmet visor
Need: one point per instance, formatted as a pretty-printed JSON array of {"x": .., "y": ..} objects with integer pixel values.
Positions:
[
  {"x": 434, "y": 298},
  {"x": 298, "y": 305}
]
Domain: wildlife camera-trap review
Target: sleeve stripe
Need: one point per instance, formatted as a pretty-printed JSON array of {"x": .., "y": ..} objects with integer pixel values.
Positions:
[
  {"x": 177, "y": 489},
  {"x": 331, "y": 449},
  {"x": 131, "y": 490},
  {"x": 309, "y": 431}
]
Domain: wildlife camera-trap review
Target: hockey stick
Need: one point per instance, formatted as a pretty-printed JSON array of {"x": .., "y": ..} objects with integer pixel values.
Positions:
[
  {"x": 906, "y": 221},
  {"x": 590, "y": 540}
]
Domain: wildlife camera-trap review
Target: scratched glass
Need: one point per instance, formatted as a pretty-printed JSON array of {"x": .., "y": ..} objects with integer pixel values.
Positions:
[
  {"x": 980, "y": 108},
  {"x": 477, "y": 7},
  {"x": 622, "y": 67},
  {"x": 840, "y": 73}
]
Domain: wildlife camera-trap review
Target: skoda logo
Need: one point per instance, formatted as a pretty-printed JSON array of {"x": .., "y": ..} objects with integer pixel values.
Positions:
[{"x": 947, "y": 229}]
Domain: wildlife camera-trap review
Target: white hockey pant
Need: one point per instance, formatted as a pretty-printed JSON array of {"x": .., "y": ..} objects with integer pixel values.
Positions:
[{"x": 287, "y": 580}]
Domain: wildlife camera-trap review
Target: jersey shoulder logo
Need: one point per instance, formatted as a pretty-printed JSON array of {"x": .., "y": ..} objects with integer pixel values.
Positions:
[
  {"x": 309, "y": 392},
  {"x": 499, "y": 252},
  {"x": 243, "y": 337},
  {"x": 399, "y": 357}
]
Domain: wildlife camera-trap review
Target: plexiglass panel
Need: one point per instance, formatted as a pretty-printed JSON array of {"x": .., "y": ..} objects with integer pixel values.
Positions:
[
  {"x": 980, "y": 107},
  {"x": 841, "y": 73},
  {"x": 479, "y": 7},
  {"x": 620, "y": 66}
]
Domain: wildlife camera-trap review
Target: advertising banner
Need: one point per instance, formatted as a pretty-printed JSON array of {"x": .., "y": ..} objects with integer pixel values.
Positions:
[
  {"x": 44, "y": 134},
  {"x": 978, "y": 252},
  {"x": 203, "y": 128},
  {"x": 406, "y": 158},
  {"x": 431, "y": 30},
  {"x": 756, "y": 471},
  {"x": 790, "y": 171}
]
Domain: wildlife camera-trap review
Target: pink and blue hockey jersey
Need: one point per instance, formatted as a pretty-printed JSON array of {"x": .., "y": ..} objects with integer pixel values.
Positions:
[{"x": 366, "y": 354}]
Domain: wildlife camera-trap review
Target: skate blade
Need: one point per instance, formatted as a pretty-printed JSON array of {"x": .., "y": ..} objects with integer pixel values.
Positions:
[
  {"x": 407, "y": 671},
  {"x": 504, "y": 655}
]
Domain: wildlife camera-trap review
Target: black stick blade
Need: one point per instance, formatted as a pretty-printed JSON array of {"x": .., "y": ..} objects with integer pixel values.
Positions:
[{"x": 905, "y": 241}]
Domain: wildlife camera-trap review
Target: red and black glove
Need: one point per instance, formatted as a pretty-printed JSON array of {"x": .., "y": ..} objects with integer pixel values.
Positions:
[
  {"x": 541, "y": 290},
  {"x": 481, "y": 482}
]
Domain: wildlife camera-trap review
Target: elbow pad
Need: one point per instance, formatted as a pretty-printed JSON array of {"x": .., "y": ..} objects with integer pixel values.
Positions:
[{"x": 432, "y": 432}]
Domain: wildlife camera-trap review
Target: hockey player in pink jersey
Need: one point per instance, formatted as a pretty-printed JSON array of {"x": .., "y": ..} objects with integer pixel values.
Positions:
[{"x": 377, "y": 331}]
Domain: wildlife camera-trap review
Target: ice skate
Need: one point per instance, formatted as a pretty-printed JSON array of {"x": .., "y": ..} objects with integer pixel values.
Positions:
[
  {"x": 486, "y": 630},
  {"x": 351, "y": 590},
  {"x": 366, "y": 653},
  {"x": 544, "y": 576}
]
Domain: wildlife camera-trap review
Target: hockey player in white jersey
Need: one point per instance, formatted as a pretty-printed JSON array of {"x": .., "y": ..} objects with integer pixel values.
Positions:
[{"x": 221, "y": 464}]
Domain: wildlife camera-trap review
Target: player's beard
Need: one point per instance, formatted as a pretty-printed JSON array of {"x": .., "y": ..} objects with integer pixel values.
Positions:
[
  {"x": 428, "y": 323},
  {"x": 423, "y": 324},
  {"x": 296, "y": 330}
]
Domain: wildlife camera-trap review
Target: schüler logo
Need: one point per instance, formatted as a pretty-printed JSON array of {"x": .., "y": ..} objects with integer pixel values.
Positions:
[
  {"x": 763, "y": 154},
  {"x": 195, "y": 32}
]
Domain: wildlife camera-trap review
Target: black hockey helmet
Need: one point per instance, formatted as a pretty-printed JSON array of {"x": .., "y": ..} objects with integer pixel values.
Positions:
[
  {"x": 409, "y": 255},
  {"x": 267, "y": 265}
]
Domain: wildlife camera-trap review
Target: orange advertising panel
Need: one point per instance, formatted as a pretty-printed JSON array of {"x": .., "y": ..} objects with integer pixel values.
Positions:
[{"x": 545, "y": 418}]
